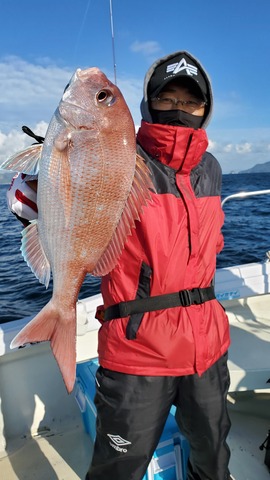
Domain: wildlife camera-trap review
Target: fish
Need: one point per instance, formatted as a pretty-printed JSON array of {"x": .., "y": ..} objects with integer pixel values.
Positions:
[{"x": 92, "y": 188}]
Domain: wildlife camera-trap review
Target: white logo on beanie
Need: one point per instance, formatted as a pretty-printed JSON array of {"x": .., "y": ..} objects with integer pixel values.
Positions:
[{"x": 182, "y": 65}]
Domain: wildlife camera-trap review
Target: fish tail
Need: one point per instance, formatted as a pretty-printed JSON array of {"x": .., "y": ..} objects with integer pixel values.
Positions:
[{"x": 59, "y": 328}]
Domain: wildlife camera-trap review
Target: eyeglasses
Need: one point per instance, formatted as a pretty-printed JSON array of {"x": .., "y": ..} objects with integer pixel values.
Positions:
[{"x": 189, "y": 105}]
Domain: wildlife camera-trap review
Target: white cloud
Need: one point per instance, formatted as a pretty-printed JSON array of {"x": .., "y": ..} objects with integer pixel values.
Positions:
[
  {"x": 228, "y": 148},
  {"x": 16, "y": 140},
  {"x": 243, "y": 148},
  {"x": 29, "y": 92},
  {"x": 148, "y": 48},
  {"x": 239, "y": 148},
  {"x": 238, "y": 156},
  {"x": 211, "y": 145}
]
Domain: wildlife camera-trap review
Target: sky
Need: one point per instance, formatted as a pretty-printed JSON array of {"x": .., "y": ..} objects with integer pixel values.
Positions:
[{"x": 43, "y": 43}]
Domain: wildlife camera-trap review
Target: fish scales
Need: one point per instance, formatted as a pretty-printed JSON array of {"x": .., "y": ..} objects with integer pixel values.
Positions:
[{"x": 91, "y": 189}]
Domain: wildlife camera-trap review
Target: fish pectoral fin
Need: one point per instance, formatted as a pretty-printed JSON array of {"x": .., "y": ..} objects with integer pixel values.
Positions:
[
  {"x": 139, "y": 196},
  {"x": 25, "y": 161},
  {"x": 34, "y": 254},
  {"x": 60, "y": 165},
  {"x": 63, "y": 171},
  {"x": 58, "y": 327}
]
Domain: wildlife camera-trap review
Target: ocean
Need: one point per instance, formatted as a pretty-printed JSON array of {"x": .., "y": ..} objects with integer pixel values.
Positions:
[{"x": 246, "y": 233}]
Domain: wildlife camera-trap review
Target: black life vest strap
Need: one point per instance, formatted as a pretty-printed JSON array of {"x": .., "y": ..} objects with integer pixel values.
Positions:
[{"x": 183, "y": 298}]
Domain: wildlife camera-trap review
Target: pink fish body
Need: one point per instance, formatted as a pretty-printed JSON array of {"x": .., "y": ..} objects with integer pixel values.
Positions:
[{"x": 91, "y": 189}]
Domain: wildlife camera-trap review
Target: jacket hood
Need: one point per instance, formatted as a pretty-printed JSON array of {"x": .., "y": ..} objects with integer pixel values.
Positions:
[{"x": 179, "y": 64}]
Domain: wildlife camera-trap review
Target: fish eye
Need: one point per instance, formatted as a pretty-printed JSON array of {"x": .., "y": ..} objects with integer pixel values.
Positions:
[{"x": 105, "y": 96}]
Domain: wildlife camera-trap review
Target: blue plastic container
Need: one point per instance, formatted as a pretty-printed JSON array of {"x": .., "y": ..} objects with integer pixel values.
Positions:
[
  {"x": 85, "y": 389},
  {"x": 170, "y": 458}
]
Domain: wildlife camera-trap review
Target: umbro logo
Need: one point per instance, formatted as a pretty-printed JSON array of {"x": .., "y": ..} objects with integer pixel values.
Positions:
[
  {"x": 118, "y": 440},
  {"x": 118, "y": 443},
  {"x": 182, "y": 65}
]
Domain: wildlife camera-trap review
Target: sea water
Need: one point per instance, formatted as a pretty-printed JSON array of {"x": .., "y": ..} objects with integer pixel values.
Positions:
[{"x": 246, "y": 233}]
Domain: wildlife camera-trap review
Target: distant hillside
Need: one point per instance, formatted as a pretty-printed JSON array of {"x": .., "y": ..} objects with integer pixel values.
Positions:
[{"x": 259, "y": 168}]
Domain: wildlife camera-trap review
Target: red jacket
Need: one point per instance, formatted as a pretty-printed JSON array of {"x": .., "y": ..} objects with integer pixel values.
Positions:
[{"x": 173, "y": 247}]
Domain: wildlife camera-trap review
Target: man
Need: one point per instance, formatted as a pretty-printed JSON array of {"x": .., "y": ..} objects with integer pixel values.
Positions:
[
  {"x": 167, "y": 343},
  {"x": 170, "y": 350}
]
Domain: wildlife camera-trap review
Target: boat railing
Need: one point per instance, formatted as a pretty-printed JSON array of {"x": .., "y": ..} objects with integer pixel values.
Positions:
[{"x": 242, "y": 195}]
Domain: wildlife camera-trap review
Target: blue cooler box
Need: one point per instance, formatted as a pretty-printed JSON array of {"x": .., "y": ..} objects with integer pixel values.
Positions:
[
  {"x": 85, "y": 389},
  {"x": 169, "y": 461}
]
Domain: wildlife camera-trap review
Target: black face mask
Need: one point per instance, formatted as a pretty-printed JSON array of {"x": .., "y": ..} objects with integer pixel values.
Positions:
[{"x": 177, "y": 118}]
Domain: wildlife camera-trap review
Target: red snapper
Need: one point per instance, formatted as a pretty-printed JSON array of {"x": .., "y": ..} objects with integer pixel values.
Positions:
[{"x": 91, "y": 189}]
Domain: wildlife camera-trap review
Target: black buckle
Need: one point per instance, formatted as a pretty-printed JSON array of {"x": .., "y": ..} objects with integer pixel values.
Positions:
[
  {"x": 196, "y": 296},
  {"x": 185, "y": 298},
  {"x": 190, "y": 297}
]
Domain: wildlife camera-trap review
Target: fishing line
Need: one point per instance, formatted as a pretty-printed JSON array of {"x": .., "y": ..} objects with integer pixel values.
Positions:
[
  {"x": 112, "y": 34},
  {"x": 113, "y": 48},
  {"x": 81, "y": 28}
]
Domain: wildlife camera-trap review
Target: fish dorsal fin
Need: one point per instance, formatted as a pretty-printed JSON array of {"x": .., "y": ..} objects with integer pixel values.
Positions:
[
  {"x": 34, "y": 255},
  {"x": 25, "y": 161},
  {"x": 138, "y": 197}
]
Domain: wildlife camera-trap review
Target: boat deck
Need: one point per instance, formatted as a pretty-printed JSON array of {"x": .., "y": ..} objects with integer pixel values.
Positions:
[
  {"x": 249, "y": 353},
  {"x": 54, "y": 446},
  {"x": 65, "y": 455}
]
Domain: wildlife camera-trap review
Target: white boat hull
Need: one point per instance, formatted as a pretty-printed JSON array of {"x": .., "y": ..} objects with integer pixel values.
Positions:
[{"x": 41, "y": 428}]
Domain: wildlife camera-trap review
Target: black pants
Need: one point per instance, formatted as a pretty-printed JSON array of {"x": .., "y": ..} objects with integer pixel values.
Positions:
[{"x": 132, "y": 411}]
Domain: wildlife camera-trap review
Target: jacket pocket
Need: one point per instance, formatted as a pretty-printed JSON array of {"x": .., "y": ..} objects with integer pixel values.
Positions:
[{"x": 143, "y": 291}]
